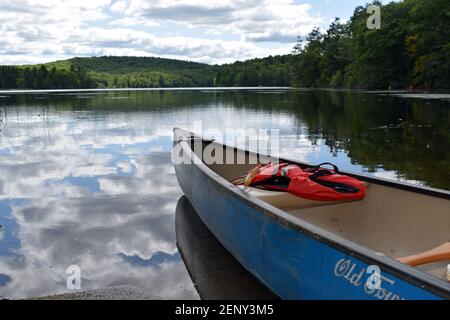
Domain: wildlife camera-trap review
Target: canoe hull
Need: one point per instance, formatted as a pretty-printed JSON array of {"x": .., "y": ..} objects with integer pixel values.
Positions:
[
  {"x": 292, "y": 258},
  {"x": 292, "y": 264}
]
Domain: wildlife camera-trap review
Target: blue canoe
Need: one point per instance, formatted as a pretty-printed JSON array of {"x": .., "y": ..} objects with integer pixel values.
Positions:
[{"x": 303, "y": 249}]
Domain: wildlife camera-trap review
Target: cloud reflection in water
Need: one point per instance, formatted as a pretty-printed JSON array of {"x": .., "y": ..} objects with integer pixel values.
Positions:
[
  {"x": 90, "y": 182},
  {"x": 96, "y": 196}
]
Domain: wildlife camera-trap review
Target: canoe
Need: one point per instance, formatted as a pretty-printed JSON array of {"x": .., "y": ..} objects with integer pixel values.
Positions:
[
  {"x": 302, "y": 249},
  {"x": 214, "y": 272}
]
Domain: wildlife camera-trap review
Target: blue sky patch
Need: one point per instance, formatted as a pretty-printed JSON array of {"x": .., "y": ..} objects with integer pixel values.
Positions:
[
  {"x": 4, "y": 279},
  {"x": 156, "y": 259},
  {"x": 9, "y": 237}
]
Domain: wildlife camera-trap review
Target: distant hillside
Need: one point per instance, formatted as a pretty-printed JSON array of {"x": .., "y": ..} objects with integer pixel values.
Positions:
[
  {"x": 145, "y": 72},
  {"x": 137, "y": 72},
  {"x": 121, "y": 65},
  {"x": 270, "y": 71}
]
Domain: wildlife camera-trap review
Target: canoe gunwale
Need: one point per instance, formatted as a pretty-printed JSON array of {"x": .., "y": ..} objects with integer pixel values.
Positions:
[{"x": 398, "y": 269}]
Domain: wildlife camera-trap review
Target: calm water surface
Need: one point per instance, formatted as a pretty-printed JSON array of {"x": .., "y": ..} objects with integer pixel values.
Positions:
[{"x": 86, "y": 177}]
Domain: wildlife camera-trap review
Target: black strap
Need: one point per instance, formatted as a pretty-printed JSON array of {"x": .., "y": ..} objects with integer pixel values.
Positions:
[
  {"x": 319, "y": 172},
  {"x": 278, "y": 182},
  {"x": 318, "y": 167},
  {"x": 338, "y": 187}
]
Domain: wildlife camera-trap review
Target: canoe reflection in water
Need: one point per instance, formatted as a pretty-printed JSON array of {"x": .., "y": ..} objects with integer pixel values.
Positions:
[{"x": 214, "y": 272}]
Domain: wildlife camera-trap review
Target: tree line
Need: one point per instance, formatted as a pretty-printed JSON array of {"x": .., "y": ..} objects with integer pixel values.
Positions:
[
  {"x": 153, "y": 79},
  {"x": 270, "y": 71},
  {"x": 412, "y": 48},
  {"x": 12, "y": 77}
]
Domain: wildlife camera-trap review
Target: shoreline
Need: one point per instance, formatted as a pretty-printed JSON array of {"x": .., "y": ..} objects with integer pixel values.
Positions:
[
  {"x": 404, "y": 91},
  {"x": 110, "y": 293}
]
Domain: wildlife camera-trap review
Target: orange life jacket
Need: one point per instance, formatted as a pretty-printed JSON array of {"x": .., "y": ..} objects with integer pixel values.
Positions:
[{"x": 313, "y": 183}]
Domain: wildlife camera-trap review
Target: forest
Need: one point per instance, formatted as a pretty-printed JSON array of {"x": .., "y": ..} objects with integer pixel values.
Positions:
[
  {"x": 270, "y": 71},
  {"x": 12, "y": 77},
  {"x": 146, "y": 72},
  {"x": 108, "y": 72},
  {"x": 411, "y": 50}
]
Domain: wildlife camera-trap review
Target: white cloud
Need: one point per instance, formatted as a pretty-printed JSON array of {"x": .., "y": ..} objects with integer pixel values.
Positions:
[
  {"x": 267, "y": 20},
  {"x": 208, "y": 31}
]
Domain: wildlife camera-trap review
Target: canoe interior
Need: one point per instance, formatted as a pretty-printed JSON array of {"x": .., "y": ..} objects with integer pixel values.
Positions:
[{"x": 389, "y": 220}]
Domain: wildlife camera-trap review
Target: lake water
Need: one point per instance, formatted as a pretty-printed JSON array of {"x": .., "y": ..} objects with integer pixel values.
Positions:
[{"x": 86, "y": 177}]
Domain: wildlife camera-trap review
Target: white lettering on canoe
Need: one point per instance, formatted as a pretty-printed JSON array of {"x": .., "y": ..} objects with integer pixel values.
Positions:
[{"x": 374, "y": 285}]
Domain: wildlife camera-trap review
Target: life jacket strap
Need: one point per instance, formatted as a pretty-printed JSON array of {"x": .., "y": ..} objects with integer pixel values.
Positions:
[
  {"x": 337, "y": 186},
  {"x": 319, "y": 167}
]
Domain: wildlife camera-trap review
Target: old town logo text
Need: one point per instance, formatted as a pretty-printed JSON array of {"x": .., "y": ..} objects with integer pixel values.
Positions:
[{"x": 347, "y": 270}]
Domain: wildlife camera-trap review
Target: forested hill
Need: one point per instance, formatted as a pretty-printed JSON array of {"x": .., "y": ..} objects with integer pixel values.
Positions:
[
  {"x": 108, "y": 72},
  {"x": 146, "y": 72},
  {"x": 137, "y": 72},
  {"x": 121, "y": 65}
]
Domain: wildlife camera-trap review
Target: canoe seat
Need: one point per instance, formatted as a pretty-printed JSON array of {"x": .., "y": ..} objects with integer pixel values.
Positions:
[{"x": 284, "y": 200}]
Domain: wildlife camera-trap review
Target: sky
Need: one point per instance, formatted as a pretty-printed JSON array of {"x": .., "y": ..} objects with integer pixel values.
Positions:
[{"x": 210, "y": 31}]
